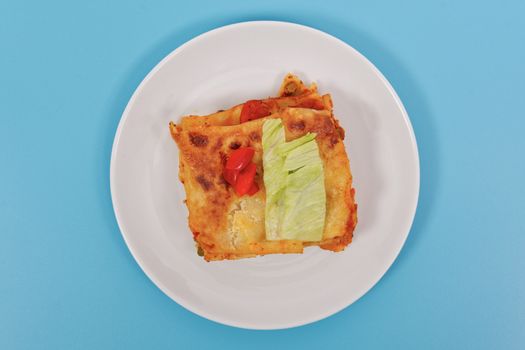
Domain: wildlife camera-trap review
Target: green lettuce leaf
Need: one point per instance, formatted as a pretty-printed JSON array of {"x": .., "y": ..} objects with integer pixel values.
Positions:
[
  {"x": 304, "y": 206},
  {"x": 274, "y": 175},
  {"x": 294, "y": 181},
  {"x": 305, "y": 154}
]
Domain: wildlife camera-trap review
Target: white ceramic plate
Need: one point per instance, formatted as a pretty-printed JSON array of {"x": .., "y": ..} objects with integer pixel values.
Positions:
[{"x": 222, "y": 68}]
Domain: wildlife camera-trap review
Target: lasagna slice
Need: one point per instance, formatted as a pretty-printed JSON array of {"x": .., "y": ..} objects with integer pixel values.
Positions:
[{"x": 228, "y": 226}]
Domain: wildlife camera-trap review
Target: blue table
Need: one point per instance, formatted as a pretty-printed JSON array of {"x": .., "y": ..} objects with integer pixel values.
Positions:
[{"x": 66, "y": 73}]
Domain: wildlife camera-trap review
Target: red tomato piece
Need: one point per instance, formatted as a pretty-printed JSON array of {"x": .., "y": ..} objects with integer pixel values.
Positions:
[
  {"x": 253, "y": 190},
  {"x": 230, "y": 176},
  {"x": 245, "y": 179},
  {"x": 240, "y": 158},
  {"x": 254, "y": 109}
]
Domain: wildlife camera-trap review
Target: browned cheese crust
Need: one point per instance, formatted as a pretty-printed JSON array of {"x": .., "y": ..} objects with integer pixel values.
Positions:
[{"x": 226, "y": 226}]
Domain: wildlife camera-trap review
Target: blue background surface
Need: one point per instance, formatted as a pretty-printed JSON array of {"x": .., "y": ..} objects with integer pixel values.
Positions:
[{"x": 67, "y": 280}]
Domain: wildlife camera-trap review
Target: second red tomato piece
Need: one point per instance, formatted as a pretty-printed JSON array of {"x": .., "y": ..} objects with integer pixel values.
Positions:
[
  {"x": 240, "y": 158},
  {"x": 254, "y": 109},
  {"x": 245, "y": 179}
]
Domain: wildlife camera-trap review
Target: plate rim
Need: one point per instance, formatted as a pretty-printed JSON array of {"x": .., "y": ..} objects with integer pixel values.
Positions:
[{"x": 125, "y": 114}]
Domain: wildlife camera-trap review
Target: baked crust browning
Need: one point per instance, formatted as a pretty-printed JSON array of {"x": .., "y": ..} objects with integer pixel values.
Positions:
[{"x": 226, "y": 226}]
